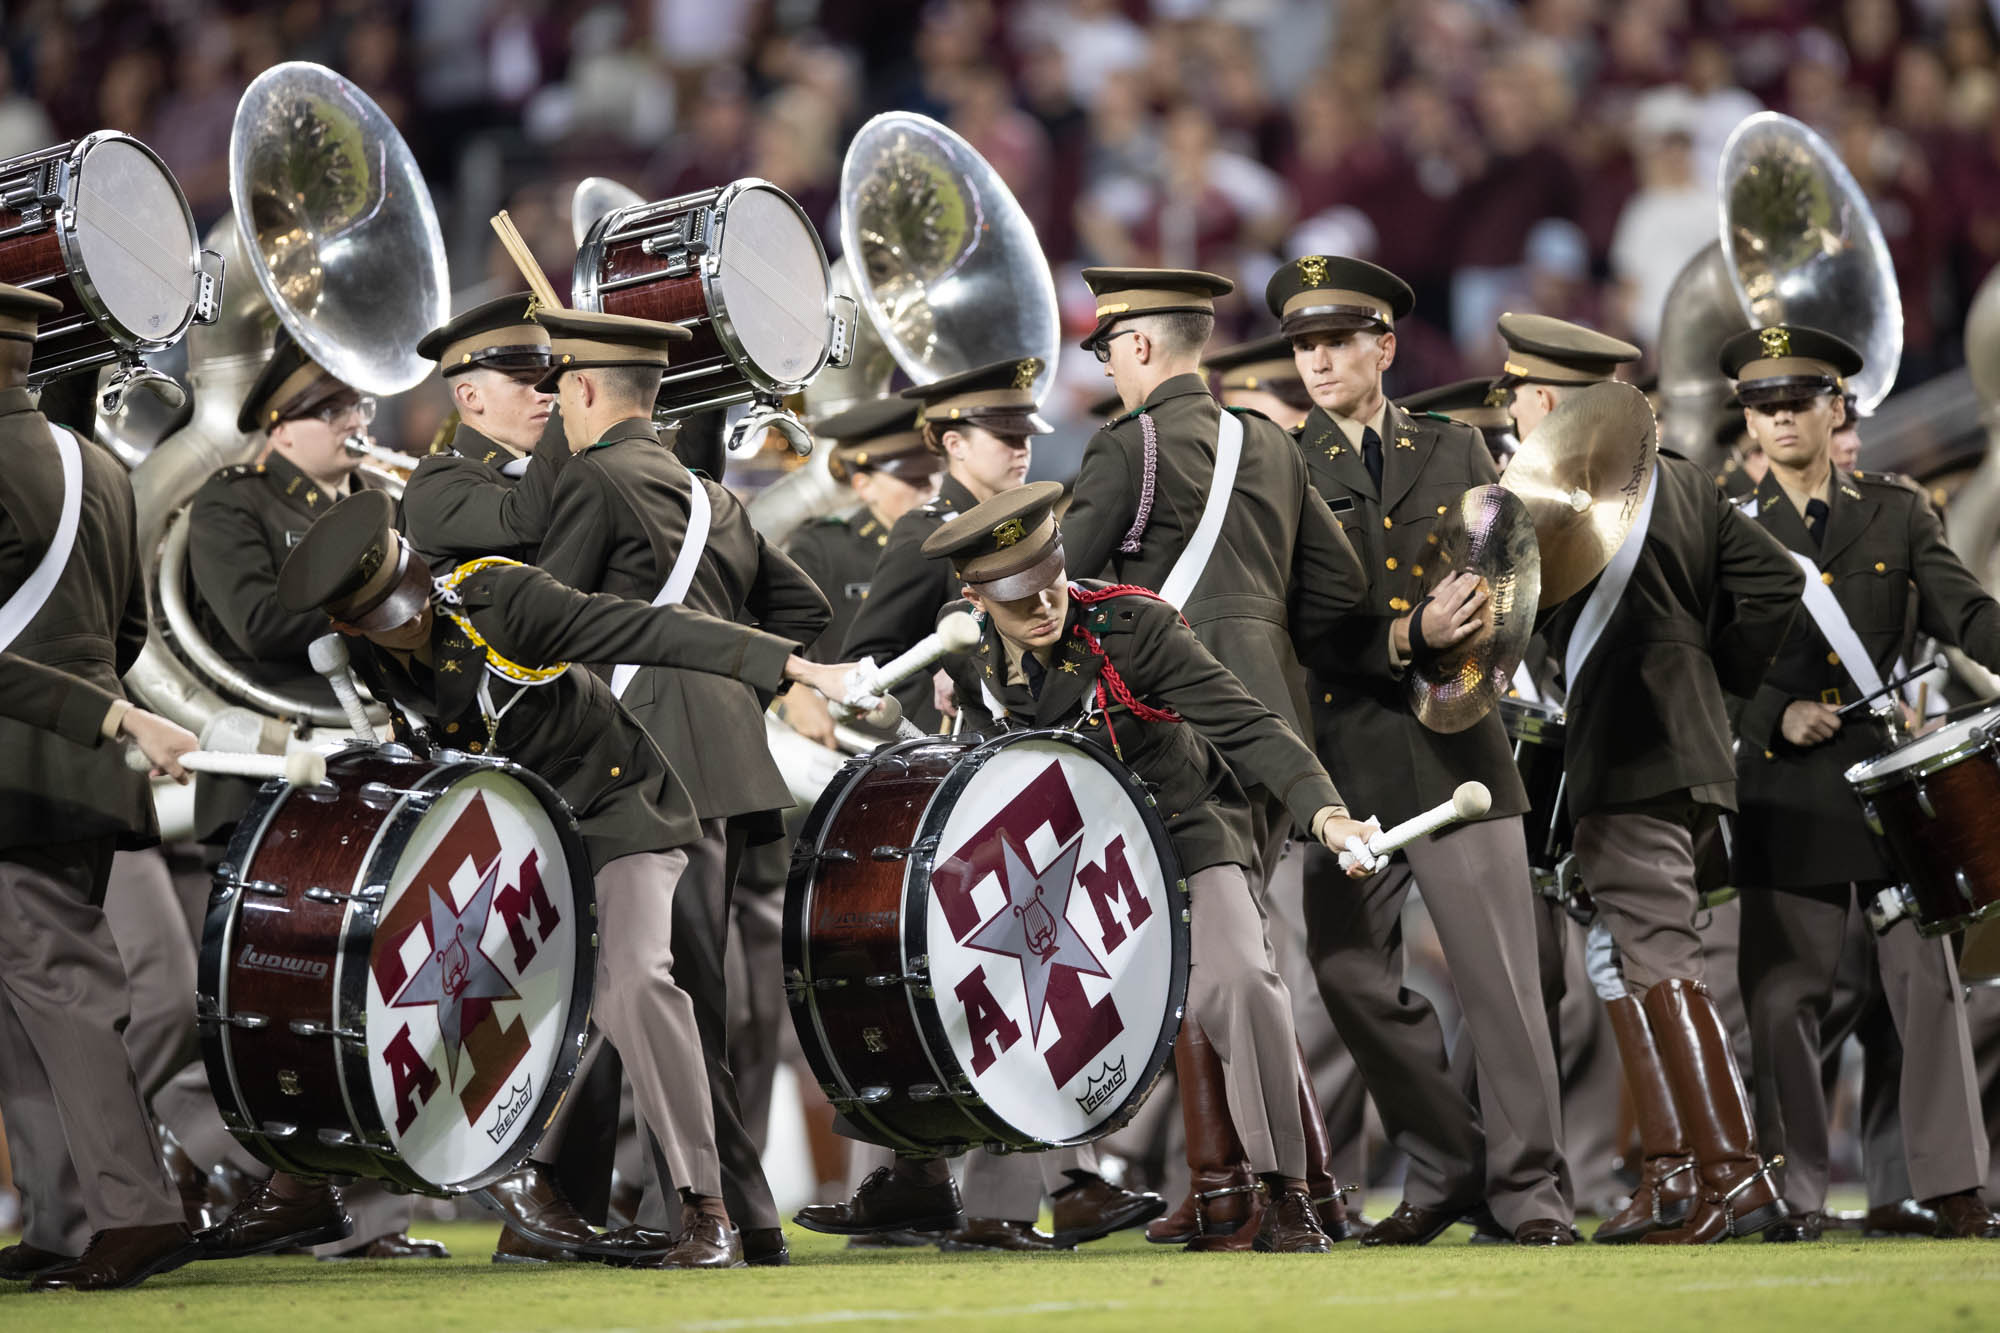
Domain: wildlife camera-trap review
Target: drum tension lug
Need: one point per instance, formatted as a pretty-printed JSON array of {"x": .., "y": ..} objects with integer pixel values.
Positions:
[
  {"x": 303, "y": 1028},
  {"x": 337, "y": 1138},
  {"x": 831, "y": 854},
  {"x": 1924, "y": 804},
  {"x": 924, "y": 1092},
  {"x": 277, "y": 1129},
  {"x": 891, "y": 853},
  {"x": 248, "y": 1022},
  {"x": 371, "y": 895},
  {"x": 1964, "y": 885},
  {"x": 261, "y": 886}
]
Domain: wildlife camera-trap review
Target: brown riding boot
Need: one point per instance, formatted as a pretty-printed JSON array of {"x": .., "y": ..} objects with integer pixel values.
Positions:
[
  {"x": 1737, "y": 1196},
  {"x": 1321, "y": 1188},
  {"x": 1221, "y": 1190},
  {"x": 1666, "y": 1175}
]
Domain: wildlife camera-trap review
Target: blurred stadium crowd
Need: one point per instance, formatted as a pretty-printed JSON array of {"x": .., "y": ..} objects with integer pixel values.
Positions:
[{"x": 1553, "y": 154}]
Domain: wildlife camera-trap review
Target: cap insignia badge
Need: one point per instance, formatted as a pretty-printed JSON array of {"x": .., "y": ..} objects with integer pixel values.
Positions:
[
  {"x": 1312, "y": 269},
  {"x": 534, "y": 307},
  {"x": 1025, "y": 372},
  {"x": 1776, "y": 341},
  {"x": 371, "y": 561},
  {"x": 1009, "y": 532}
]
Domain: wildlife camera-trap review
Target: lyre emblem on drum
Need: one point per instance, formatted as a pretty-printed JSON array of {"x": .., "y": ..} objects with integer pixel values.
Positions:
[
  {"x": 1041, "y": 927},
  {"x": 458, "y": 969},
  {"x": 1033, "y": 928}
]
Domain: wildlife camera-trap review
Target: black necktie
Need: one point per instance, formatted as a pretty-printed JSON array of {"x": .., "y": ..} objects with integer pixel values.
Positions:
[
  {"x": 1371, "y": 455},
  {"x": 1816, "y": 522},
  {"x": 1032, "y": 668}
]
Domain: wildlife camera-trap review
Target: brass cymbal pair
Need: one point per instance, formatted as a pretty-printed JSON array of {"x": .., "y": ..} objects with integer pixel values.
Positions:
[{"x": 1567, "y": 502}]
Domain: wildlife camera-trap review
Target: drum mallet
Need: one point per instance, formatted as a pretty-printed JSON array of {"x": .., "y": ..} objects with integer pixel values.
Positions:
[
  {"x": 301, "y": 768},
  {"x": 329, "y": 658},
  {"x": 867, "y": 682},
  {"x": 1470, "y": 801},
  {"x": 1893, "y": 687}
]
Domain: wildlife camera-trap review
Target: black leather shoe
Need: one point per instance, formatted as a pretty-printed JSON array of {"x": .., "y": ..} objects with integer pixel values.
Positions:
[
  {"x": 514, "y": 1248},
  {"x": 530, "y": 1202},
  {"x": 18, "y": 1263},
  {"x": 1905, "y": 1217},
  {"x": 397, "y": 1245},
  {"x": 995, "y": 1233},
  {"x": 262, "y": 1223},
  {"x": 626, "y": 1247},
  {"x": 765, "y": 1247},
  {"x": 1799, "y": 1228},
  {"x": 886, "y": 1203},
  {"x": 122, "y": 1257},
  {"x": 1095, "y": 1207},
  {"x": 1964, "y": 1216},
  {"x": 1291, "y": 1226},
  {"x": 190, "y": 1181},
  {"x": 1544, "y": 1231},
  {"x": 1411, "y": 1225},
  {"x": 706, "y": 1242}
]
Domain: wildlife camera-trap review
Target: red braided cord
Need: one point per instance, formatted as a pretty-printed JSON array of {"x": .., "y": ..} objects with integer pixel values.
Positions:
[{"x": 1108, "y": 674}]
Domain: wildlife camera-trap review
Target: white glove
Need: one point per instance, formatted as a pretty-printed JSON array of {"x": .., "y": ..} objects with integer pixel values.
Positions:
[
  {"x": 1600, "y": 961},
  {"x": 1358, "y": 853}
]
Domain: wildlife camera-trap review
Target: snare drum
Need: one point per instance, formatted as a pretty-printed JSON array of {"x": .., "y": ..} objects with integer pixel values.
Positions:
[
  {"x": 396, "y": 970},
  {"x": 1536, "y": 733},
  {"x": 101, "y": 225},
  {"x": 741, "y": 267},
  {"x": 1933, "y": 803},
  {"x": 986, "y": 942}
]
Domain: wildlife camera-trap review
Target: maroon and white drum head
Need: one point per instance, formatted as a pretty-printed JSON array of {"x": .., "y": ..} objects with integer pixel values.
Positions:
[
  {"x": 1054, "y": 932},
  {"x": 474, "y": 1001}
]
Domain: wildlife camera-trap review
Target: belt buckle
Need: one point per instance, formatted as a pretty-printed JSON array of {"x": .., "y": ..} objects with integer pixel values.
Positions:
[{"x": 1830, "y": 696}]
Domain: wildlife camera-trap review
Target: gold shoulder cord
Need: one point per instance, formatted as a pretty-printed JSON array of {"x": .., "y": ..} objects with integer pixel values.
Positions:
[{"x": 448, "y": 602}]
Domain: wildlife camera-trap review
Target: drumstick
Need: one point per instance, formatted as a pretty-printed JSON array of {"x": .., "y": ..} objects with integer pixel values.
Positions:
[
  {"x": 524, "y": 259},
  {"x": 301, "y": 768},
  {"x": 1849, "y": 709},
  {"x": 329, "y": 657},
  {"x": 1923, "y": 700},
  {"x": 954, "y": 634},
  {"x": 1470, "y": 801}
]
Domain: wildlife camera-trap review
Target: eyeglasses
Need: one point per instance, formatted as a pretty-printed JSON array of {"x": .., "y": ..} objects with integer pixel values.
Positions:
[
  {"x": 1103, "y": 347},
  {"x": 360, "y": 409}
]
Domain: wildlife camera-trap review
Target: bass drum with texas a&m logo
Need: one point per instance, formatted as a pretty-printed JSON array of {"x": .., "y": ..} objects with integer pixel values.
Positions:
[
  {"x": 986, "y": 942},
  {"x": 396, "y": 969}
]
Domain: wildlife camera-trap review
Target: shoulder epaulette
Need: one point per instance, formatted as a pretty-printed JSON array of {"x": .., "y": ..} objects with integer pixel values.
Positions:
[
  {"x": 1896, "y": 481},
  {"x": 1439, "y": 416},
  {"x": 830, "y": 521},
  {"x": 1246, "y": 412},
  {"x": 238, "y": 471}
]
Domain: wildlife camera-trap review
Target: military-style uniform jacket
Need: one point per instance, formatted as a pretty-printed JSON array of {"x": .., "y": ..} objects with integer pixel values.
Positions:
[
  {"x": 52, "y": 789},
  {"x": 1281, "y": 568},
  {"x": 1191, "y": 766},
  {"x": 246, "y": 519},
  {"x": 838, "y": 553},
  {"x": 905, "y": 594},
  {"x": 621, "y": 516},
  {"x": 570, "y": 729},
  {"x": 51, "y": 699},
  {"x": 1706, "y": 608},
  {"x": 1884, "y": 554},
  {"x": 1390, "y": 764},
  {"x": 459, "y": 504}
]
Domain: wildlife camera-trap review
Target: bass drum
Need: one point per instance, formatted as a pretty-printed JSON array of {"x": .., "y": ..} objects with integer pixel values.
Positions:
[
  {"x": 986, "y": 942},
  {"x": 396, "y": 970}
]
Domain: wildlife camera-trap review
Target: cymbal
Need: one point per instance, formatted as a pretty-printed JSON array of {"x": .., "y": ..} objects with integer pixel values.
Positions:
[
  {"x": 1584, "y": 473},
  {"x": 1490, "y": 533}
]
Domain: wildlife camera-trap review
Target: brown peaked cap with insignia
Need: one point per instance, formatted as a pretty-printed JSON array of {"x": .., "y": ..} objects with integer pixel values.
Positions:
[
  {"x": 501, "y": 334},
  {"x": 353, "y": 566},
  {"x": 879, "y": 436},
  {"x": 999, "y": 397},
  {"x": 1788, "y": 361},
  {"x": 1336, "y": 294},
  {"x": 1124, "y": 292},
  {"x": 290, "y": 385},
  {"x": 1006, "y": 547},
  {"x": 586, "y": 340},
  {"x": 22, "y": 311},
  {"x": 1255, "y": 365},
  {"x": 1542, "y": 349}
]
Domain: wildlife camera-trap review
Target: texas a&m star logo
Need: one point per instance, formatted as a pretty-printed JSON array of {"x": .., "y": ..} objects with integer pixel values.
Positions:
[
  {"x": 1050, "y": 952},
  {"x": 470, "y": 978}
]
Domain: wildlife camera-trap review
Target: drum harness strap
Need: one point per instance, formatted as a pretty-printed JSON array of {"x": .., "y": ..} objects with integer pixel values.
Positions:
[
  {"x": 446, "y": 591},
  {"x": 18, "y": 611}
]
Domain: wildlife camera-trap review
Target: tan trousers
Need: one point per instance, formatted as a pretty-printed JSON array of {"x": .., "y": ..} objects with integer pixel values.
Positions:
[
  {"x": 64, "y": 1069},
  {"x": 1791, "y": 948},
  {"x": 1242, "y": 1004},
  {"x": 1011, "y": 1186},
  {"x": 1476, "y": 886},
  {"x": 643, "y": 1011},
  {"x": 1640, "y": 870}
]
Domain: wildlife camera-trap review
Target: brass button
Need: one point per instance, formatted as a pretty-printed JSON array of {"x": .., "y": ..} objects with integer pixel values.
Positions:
[
  {"x": 451, "y": 728},
  {"x": 1441, "y": 510},
  {"x": 1826, "y": 578},
  {"x": 1416, "y": 571},
  {"x": 1432, "y": 539},
  {"x": 1769, "y": 755},
  {"x": 1329, "y": 699},
  {"x": 1390, "y": 562},
  {"x": 1388, "y": 522},
  {"x": 1881, "y": 568},
  {"x": 476, "y": 748},
  {"x": 615, "y": 770},
  {"x": 1398, "y": 604},
  {"x": 1833, "y": 659}
]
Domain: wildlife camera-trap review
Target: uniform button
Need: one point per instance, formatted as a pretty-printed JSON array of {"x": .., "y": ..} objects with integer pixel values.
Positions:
[
  {"x": 1769, "y": 755},
  {"x": 476, "y": 747},
  {"x": 451, "y": 728},
  {"x": 1833, "y": 659},
  {"x": 1827, "y": 579},
  {"x": 1441, "y": 509},
  {"x": 1329, "y": 699},
  {"x": 1398, "y": 604},
  {"x": 615, "y": 771},
  {"x": 1432, "y": 539},
  {"x": 1388, "y": 522},
  {"x": 1390, "y": 562},
  {"x": 1416, "y": 571},
  {"x": 1881, "y": 568}
]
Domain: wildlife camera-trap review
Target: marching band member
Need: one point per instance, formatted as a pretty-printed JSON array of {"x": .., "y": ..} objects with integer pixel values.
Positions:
[
  {"x": 1390, "y": 477},
  {"x": 1273, "y": 567},
  {"x": 631, "y": 520},
  {"x": 1806, "y": 861},
  {"x": 488, "y": 492},
  {"x": 501, "y": 629},
  {"x": 72, "y": 596},
  {"x": 1048, "y": 651}
]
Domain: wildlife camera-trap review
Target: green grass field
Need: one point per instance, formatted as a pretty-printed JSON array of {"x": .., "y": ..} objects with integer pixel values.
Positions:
[{"x": 1121, "y": 1283}]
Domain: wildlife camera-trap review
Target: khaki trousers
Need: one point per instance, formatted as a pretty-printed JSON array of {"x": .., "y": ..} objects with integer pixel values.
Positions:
[
  {"x": 1791, "y": 950},
  {"x": 1011, "y": 1186},
  {"x": 1640, "y": 870},
  {"x": 65, "y": 1075},
  {"x": 1476, "y": 885}
]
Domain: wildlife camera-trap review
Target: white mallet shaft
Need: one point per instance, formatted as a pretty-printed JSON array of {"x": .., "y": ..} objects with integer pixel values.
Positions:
[
  {"x": 301, "y": 768},
  {"x": 954, "y": 634},
  {"x": 1470, "y": 801},
  {"x": 329, "y": 658}
]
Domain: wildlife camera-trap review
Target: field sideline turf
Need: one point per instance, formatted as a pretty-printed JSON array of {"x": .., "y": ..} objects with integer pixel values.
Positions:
[{"x": 1121, "y": 1283}]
